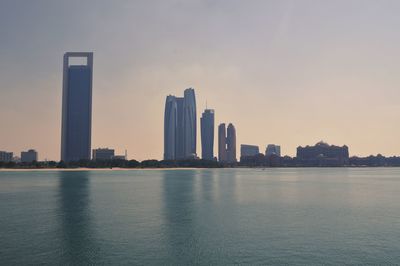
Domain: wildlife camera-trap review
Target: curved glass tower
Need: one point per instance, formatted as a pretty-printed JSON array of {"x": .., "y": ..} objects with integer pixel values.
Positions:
[
  {"x": 180, "y": 126},
  {"x": 222, "y": 157},
  {"x": 227, "y": 144},
  {"x": 189, "y": 123},
  {"x": 170, "y": 126}
]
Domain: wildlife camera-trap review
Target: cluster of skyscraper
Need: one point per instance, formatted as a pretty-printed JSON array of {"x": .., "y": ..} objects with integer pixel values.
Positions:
[
  {"x": 180, "y": 131},
  {"x": 180, "y": 121},
  {"x": 180, "y": 126}
]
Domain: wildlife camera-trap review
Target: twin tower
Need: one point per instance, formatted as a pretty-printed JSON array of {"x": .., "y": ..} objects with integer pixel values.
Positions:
[
  {"x": 180, "y": 126},
  {"x": 180, "y": 130}
]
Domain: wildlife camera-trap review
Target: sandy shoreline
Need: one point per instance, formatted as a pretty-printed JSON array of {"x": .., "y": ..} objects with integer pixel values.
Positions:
[{"x": 91, "y": 169}]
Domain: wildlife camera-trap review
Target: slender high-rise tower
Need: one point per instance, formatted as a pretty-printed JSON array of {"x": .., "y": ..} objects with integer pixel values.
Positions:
[
  {"x": 179, "y": 148},
  {"x": 231, "y": 144},
  {"x": 189, "y": 124},
  {"x": 207, "y": 134},
  {"x": 170, "y": 128},
  {"x": 76, "y": 126},
  {"x": 222, "y": 157}
]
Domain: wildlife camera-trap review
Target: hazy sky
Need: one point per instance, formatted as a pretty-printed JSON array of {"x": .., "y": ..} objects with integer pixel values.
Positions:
[{"x": 284, "y": 72}]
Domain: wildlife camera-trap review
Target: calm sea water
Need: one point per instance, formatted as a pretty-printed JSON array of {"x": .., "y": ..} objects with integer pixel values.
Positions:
[{"x": 203, "y": 217}]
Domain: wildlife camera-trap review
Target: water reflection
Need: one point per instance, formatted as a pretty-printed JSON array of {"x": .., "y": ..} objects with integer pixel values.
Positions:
[
  {"x": 207, "y": 179},
  {"x": 76, "y": 229},
  {"x": 179, "y": 212}
]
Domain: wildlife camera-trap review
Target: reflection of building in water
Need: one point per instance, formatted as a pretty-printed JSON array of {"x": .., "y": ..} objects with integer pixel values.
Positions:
[
  {"x": 179, "y": 216},
  {"x": 77, "y": 233},
  {"x": 323, "y": 154}
]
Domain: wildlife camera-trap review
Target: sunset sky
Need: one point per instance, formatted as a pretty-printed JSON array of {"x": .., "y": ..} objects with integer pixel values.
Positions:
[{"x": 285, "y": 72}]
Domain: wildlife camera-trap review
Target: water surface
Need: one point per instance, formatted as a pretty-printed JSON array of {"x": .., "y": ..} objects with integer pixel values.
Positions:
[{"x": 205, "y": 217}]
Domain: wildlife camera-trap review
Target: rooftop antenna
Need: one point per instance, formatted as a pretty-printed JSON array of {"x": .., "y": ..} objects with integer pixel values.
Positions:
[
  {"x": 126, "y": 154},
  {"x": 206, "y": 105}
]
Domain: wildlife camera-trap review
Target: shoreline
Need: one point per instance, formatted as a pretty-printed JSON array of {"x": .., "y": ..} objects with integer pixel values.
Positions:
[
  {"x": 91, "y": 169},
  {"x": 172, "y": 168}
]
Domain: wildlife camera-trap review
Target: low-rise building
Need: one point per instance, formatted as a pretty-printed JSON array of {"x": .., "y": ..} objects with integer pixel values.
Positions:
[
  {"x": 6, "y": 156},
  {"x": 103, "y": 154},
  {"x": 29, "y": 156},
  {"x": 273, "y": 149},
  {"x": 248, "y": 150},
  {"x": 119, "y": 157},
  {"x": 323, "y": 154}
]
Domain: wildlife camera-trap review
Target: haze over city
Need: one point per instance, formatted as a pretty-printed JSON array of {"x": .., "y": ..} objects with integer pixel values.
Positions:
[{"x": 285, "y": 72}]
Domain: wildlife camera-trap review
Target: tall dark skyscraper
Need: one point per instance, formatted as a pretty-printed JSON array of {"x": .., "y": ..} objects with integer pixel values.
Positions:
[
  {"x": 207, "y": 134},
  {"x": 231, "y": 144},
  {"x": 227, "y": 143},
  {"x": 76, "y": 126},
  {"x": 222, "y": 157},
  {"x": 180, "y": 126}
]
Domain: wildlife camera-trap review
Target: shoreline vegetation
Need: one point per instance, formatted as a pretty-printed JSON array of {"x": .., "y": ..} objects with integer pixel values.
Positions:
[{"x": 256, "y": 161}]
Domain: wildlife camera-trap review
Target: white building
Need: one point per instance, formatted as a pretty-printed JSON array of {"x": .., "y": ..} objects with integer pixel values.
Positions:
[{"x": 29, "y": 156}]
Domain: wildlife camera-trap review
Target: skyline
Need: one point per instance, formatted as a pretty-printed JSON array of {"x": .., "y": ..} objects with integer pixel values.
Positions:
[{"x": 282, "y": 72}]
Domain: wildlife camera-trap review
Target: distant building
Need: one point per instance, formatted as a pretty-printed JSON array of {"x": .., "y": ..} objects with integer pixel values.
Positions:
[
  {"x": 29, "y": 156},
  {"x": 119, "y": 157},
  {"x": 222, "y": 156},
  {"x": 103, "y": 154},
  {"x": 180, "y": 126},
  {"x": 170, "y": 128},
  {"x": 76, "y": 108},
  {"x": 323, "y": 154},
  {"x": 207, "y": 134},
  {"x": 179, "y": 145},
  {"x": 227, "y": 143},
  {"x": 273, "y": 149},
  {"x": 189, "y": 124},
  {"x": 231, "y": 143},
  {"x": 6, "y": 156},
  {"x": 248, "y": 150}
]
